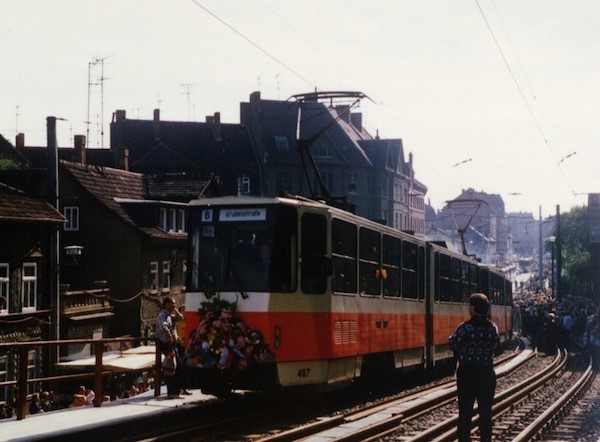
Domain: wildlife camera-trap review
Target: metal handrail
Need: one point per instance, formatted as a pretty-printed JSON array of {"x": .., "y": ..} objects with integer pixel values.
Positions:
[{"x": 98, "y": 373}]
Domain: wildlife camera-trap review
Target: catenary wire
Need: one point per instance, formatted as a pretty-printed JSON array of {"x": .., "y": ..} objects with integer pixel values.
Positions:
[{"x": 264, "y": 51}]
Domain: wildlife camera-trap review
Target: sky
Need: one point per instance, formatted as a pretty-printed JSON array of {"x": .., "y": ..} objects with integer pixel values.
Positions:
[{"x": 502, "y": 96}]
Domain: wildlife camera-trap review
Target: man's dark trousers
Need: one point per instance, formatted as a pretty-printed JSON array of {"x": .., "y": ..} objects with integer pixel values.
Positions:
[{"x": 475, "y": 383}]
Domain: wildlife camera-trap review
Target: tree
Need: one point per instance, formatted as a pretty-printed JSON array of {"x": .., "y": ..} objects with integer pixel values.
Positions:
[{"x": 576, "y": 268}]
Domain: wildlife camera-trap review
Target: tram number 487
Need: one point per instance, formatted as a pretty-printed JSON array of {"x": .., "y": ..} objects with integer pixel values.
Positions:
[{"x": 303, "y": 372}]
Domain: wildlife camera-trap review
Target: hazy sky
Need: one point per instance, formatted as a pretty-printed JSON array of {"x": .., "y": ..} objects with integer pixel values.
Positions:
[{"x": 508, "y": 88}]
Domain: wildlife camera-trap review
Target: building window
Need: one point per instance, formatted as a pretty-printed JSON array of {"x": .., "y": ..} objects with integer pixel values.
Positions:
[
  {"x": 281, "y": 143},
  {"x": 33, "y": 371},
  {"x": 172, "y": 220},
  {"x": 4, "y": 284},
  {"x": 162, "y": 218},
  {"x": 154, "y": 277},
  {"x": 4, "y": 392},
  {"x": 72, "y": 215},
  {"x": 351, "y": 183},
  {"x": 243, "y": 185},
  {"x": 29, "y": 289},
  {"x": 166, "y": 276},
  {"x": 181, "y": 220}
]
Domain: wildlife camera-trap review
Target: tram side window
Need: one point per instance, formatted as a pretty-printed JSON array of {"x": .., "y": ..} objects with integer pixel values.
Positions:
[
  {"x": 314, "y": 250},
  {"x": 465, "y": 281},
  {"x": 282, "y": 272},
  {"x": 474, "y": 279},
  {"x": 391, "y": 266},
  {"x": 421, "y": 272},
  {"x": 445, "y": 281},
  {"x": 370, "y": 261},
  {"x": 409, "y": 270},
  {"x": 456, "y": 279},
  {"x": 343, "y": 244}
]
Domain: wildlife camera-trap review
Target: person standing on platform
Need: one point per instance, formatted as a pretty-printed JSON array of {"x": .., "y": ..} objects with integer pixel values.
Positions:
[
  {"x": 167, "y": 339},
  {"x": 473, "y": 344}
]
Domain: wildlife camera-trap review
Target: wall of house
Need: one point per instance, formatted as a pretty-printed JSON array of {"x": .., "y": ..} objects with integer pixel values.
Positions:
[{"x": 111, "y": 253}]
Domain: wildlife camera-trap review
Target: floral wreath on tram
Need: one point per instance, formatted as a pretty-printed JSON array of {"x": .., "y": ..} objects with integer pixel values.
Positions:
[{"x": 223, "y": 341}]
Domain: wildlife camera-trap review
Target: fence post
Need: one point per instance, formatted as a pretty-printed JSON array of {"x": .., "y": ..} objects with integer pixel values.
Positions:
[
  {"x": 98, "y": 350},
  {"x": 157, "y": 370},
  {"x": 22, "y": 383}
]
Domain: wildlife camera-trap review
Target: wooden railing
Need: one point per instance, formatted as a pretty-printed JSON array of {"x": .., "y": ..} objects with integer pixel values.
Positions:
[{"x": 98, "y": 373}]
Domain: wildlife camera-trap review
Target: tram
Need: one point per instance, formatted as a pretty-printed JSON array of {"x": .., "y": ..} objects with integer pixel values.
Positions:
[{"x": 293, "y": 292}]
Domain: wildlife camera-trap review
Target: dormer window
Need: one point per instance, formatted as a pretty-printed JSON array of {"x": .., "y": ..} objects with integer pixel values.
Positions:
[
  {"x": 162, "y": 218},
  {"x": 180, "y": 220},
  {"x": 172, "y": 220}
]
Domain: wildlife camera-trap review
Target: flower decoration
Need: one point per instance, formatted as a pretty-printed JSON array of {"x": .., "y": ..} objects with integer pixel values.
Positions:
[{"x": 223, "y": 340}]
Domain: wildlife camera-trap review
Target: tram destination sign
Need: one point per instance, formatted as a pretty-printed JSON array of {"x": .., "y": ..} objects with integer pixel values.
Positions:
[{"x": 245, "y": 214}]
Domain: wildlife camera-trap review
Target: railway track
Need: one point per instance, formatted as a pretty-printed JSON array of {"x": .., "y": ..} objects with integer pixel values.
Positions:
[
  {"x": 523, "y": 410},
  {"x": 535, "y": 397}
]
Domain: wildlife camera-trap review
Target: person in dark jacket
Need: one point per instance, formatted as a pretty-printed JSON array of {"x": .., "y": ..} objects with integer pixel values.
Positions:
[{"x": 473, "y": 344}]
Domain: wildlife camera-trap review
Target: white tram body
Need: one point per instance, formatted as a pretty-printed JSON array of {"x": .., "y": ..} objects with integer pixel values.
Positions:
[{"x": 342, "y": 295}]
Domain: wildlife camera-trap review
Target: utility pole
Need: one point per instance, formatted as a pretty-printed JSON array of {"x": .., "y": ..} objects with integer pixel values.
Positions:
[
  {"x": 540, "y": 251},
  {"x": 558, "y": 256}
]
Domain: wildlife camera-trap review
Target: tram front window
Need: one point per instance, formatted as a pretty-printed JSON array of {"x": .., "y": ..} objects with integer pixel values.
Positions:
[{"x": 244, "y": 249}]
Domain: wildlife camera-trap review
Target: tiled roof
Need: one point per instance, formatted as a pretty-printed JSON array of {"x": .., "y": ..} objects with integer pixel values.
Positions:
[
  {"x": 16, "y": 206},
  {"x": 175, "y": 187},
  {"x": 106, "y": 184}
]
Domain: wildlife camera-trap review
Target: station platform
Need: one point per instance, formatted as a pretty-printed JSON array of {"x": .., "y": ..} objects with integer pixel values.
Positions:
[{"x": 109, "y": 422}]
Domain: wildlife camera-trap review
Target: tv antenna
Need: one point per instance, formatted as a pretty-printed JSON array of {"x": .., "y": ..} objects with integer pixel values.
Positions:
[
  {"x": 188, "y": 87},
  {"x": 17, "y": 120},
  {"x": 98, "y": 82}
]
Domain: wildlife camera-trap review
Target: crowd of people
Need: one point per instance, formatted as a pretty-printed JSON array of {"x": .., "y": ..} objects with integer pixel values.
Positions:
[{"x": 550, "y": 323}]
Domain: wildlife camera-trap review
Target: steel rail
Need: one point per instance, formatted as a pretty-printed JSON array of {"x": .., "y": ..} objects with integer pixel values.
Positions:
[{"x": 548, "y": 417}]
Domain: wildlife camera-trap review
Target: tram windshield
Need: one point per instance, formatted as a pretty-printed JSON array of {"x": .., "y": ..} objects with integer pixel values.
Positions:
[{"x": 243, "y": 249}]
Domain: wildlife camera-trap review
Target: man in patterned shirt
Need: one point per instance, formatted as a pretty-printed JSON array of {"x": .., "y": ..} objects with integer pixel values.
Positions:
[{"x": 473, "y": 344}]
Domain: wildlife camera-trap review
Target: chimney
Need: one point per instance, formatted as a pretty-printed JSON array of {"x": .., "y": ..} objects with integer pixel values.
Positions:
[
  {"x": 217, "y": 126},
  {"x": 210, "y": 119},
  {"x": 119, "y": 115},
  {"x": 52, "y": 156},
  {"x": 80, "y": 152},
  {"x": 156, "y": 125},
  {"x": 123, "y": 158},
  {"x": 20, "y": 140},
  {"x": 356, "y": 120}
]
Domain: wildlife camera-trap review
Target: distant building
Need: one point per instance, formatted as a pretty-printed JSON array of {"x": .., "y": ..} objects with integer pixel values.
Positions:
[
  {"x": 368, "y": 172},
  {"x": 187, "y": 153},
  {"x": 480, "y": 222}
]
